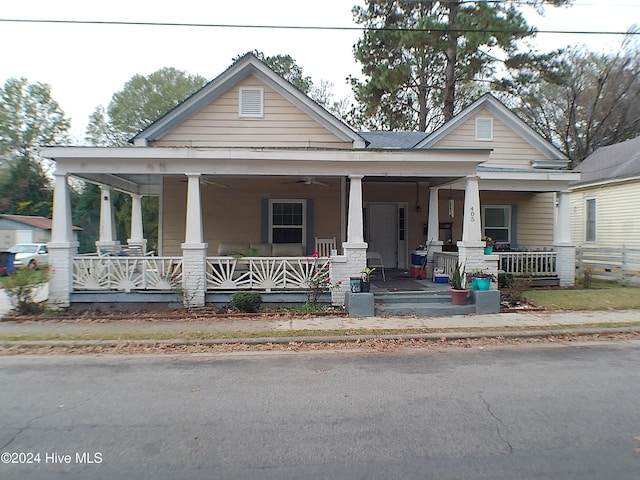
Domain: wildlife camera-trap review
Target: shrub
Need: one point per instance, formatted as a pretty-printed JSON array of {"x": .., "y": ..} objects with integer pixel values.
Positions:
[
  {"x": 246, "y": 301},
  {"x": 22, "y": 287}
]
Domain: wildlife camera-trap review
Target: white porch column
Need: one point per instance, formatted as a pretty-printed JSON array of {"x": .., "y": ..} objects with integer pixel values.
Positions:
[
  {"x": 137, "y": 236},
  {"x": 62, "y": 248},
  {"x": 194, "y": 250},
  {"x": 433, "y": 227},
  {"x": 107, "y": 222},
  {"x": 566, "y": 251},
  {"x": 471, "y": 248},
  {"x": 354, "y": 258}
]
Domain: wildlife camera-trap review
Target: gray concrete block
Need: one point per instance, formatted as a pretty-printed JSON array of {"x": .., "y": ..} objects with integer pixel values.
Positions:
[
  {"x": 486, "y": 301},
  {"x": 359, "y": 304}
]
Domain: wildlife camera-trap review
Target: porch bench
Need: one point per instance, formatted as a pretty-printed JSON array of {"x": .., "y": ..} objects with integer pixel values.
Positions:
[{"x": 261, "y": 249}]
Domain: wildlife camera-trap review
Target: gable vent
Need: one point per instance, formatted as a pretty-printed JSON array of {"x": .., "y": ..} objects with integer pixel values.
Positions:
[
  {"x": 484, "y": 129},
  {"x": 251, "y": 102}
]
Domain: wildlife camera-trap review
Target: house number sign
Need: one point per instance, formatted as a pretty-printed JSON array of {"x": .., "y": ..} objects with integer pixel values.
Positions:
[{"x": 472, "y": 215}]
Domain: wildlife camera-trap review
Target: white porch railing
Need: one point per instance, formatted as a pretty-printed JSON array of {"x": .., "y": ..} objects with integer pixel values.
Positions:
[
  {"x": 264, "y": 273},
  {"x": 127, "y": 273},
  {"x": 445, "y": 261},
  {"x": 531, "y": 264}
]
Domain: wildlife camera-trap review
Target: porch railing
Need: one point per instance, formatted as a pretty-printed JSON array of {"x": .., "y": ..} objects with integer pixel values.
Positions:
[
  {"x": 445, "y": 261},
  {"x": 265, "y": 273},
  {"x": 127, "y": 273},
  {"x": 528, "y": 264},
  {"x": 123, "y": 273}
]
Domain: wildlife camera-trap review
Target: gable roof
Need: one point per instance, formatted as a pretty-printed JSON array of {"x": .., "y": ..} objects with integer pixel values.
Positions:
[
  {"x": 614, "y": 162},
  {"x": 33, "y": 221},
  {"x": 556, "y": 157},
  {"x": 245, "y": 66}
]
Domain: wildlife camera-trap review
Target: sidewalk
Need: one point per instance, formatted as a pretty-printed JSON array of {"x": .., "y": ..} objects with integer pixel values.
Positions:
[{"x": 528, "y": 324}]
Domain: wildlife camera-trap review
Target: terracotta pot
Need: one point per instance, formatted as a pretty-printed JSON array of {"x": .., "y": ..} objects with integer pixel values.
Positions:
[{"x": 459, "y": 297}]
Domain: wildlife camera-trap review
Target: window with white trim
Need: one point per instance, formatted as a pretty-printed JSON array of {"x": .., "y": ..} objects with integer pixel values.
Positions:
[
  {"x": 484, "y": 129},
  {"x": 496, "y": 222},
  {"x": 287, "y": 221},
  {"x": 251, "y": 102},
  {"x": 590, "y": 219}
]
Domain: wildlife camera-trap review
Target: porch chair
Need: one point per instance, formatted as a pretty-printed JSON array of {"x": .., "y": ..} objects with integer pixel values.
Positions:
[
  {"x": 325, "y": 245},
  {"x": 374, "y": 259}
]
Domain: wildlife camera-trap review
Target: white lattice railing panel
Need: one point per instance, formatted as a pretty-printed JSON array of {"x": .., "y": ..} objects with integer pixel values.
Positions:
[
  {"x": 264, "y": 273},
  {"x": 127, "y": 273},
  {"x": 535, "y": 264}
]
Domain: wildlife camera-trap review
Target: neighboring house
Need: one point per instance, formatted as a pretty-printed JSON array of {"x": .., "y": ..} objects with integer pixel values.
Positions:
[
  {"x": 250, "y": 165},
  {"x": 605, "y": 202},
  {"x": 16, "y": 229},
  {"x": 605, "y": 210}
]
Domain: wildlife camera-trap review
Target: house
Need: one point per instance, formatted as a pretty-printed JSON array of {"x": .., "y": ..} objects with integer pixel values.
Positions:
[
  {"x": 605, "y": 223},
  {"x": 250, "y": 172},
  {"x": 16, "y": 229}
]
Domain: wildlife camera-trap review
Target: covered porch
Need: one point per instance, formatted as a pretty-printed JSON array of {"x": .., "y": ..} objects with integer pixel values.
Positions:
[{"x": 193, "y": 275}]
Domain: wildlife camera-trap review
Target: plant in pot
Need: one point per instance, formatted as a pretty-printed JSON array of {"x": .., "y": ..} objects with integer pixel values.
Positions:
[
  {"x": 480, "y": 279},
  {"x": 489, "y": 244},
  {"x": 458, "y": 283},
  {"x": 365, "y": 284}
]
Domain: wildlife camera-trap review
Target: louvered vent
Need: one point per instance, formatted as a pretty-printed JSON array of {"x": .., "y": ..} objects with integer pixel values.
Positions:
[
  {"x": 251, "y": 102},
  {"x": 484, "y": 129}
]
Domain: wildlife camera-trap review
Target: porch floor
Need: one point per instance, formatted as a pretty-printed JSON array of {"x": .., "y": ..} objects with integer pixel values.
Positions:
[{"x": 399, "y": 280}]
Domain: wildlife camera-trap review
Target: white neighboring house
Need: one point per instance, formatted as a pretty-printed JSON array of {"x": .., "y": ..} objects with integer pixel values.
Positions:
[{"x": 250, "y": 165}]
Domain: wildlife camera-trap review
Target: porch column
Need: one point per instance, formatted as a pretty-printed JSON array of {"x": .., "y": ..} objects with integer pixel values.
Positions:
[
  {"x": 194, "y": 250},
  {"x": 433, "y": 227},
  {"x": 471, "y": 248},
  {"x": 137, "y": 236},
  {"x": 566, "y": 251},
  {"x": 107, "y": 223},
  {"x": 355, "y": 248},
  {"x": 62, "y": 248}
]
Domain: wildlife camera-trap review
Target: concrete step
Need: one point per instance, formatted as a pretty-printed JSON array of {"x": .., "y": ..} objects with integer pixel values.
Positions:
[
  {"x": 424, "y": 309},
  {"x": 412, "y": 297}
]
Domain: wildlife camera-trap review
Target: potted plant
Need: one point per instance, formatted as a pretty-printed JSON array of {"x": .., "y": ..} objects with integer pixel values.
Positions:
[
  {"x": 365, "y": 284},
  {"x": 489, "y": 244},
  {"x": 480, "y": 280},
  {"x": 458, "y": 283}
]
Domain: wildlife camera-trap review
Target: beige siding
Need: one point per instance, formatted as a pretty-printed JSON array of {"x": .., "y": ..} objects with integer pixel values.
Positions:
[
  {"x": 283, "y": 125},
  {"x": 234, "y": 214},
  {"x": 617, "y": 215},
  {"x": 535, "y": 221},
  {"x": 509, "y": 149}
]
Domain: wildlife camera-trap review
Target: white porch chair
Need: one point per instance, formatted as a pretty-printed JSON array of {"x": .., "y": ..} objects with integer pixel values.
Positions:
[
  {"x": 374, "y": 259},
  {"x": 325, "y": 245}
]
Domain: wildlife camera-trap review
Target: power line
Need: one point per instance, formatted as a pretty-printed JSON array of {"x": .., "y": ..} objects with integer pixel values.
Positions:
[{"x": 310, "y": 27}]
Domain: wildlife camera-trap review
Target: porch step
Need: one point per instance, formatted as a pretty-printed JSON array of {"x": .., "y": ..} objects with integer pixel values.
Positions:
[{"x": 423, "y": 303}]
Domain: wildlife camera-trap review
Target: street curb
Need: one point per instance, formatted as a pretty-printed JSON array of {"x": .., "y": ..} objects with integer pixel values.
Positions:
[{"x": 435, "y": 336}]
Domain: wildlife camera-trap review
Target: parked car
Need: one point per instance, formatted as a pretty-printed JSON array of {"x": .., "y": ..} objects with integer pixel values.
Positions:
[{"x": 30, "y": 255}]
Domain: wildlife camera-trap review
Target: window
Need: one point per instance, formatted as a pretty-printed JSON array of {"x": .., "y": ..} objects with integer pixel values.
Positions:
[
  {"x": 591, "y": 220},
  {"x": 484, "y": 129},
  {"x": 497, "y": 222},
  {"x": 287, "y": 221},
  {"x": 251, "y": 102}
]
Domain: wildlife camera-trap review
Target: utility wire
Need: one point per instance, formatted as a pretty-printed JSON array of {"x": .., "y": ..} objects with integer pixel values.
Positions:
[{"x": 309, "y": 27}]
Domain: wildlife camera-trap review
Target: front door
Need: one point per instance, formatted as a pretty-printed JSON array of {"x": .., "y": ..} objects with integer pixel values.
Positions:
[{"x": 382, "y": 232}]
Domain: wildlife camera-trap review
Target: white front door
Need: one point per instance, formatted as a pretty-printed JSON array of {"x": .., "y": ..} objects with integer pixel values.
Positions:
[{"x": 382, "y": 232}]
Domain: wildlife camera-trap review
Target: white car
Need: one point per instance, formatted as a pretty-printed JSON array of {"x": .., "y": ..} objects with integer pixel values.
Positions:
[{"x": 30, "y": 255}]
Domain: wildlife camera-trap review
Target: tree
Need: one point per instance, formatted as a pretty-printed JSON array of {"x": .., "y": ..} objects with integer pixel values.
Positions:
[
  {"x": 592, "y": 100},
  {"x": 417, "y": 55},
  {"x": 29, "y": 118},
  {"x": 141, "y": 101}
]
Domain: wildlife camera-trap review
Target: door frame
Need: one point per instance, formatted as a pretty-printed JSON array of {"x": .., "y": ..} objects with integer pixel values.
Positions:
[{"x": 401, "y": 231}]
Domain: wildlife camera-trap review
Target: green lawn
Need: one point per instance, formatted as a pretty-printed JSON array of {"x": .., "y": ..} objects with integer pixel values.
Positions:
[{"x": 599, "y": 297}]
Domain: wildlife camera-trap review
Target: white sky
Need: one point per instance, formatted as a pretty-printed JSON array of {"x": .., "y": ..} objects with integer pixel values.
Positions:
[{"x": 86, "y": 64}]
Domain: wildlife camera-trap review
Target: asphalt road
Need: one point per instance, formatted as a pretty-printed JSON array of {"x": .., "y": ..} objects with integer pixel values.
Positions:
[{"x": 527, "y": 412}]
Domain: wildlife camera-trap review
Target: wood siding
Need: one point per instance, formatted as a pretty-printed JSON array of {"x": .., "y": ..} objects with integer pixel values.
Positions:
[
  {"x": 234, "y": 214},
  {"x": 617, "y": 215},
  {"x": 220, "y": 125},
  {"x": 509, "y": 149}
]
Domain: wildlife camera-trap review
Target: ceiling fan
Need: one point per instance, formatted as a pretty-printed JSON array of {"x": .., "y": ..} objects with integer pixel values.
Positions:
[
  {"x": 204, "y": 181},
  {"x": 311, "y": 181}
]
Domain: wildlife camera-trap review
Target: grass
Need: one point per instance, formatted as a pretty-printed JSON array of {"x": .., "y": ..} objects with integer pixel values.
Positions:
[{"x": 598, "y": 297}]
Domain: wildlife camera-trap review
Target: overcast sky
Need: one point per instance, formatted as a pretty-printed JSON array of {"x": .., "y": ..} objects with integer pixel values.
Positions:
[{"x": 86, "y": 64}]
